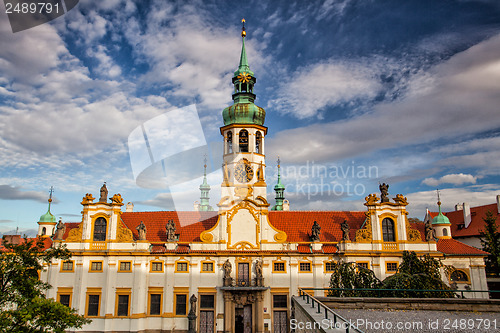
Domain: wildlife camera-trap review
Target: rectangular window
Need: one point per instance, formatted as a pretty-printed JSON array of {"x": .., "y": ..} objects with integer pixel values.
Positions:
[
  {"x": 122, "y": 305},
  {"x": 125, "y": 266},
  {"x": 93, "y": 305},
  {"x": 156, "y": 267},
  {"x": 329, "y": 266},
  {"x": 96, "y": 266},
  {"x": 280, "y": 301},
  {"x": 392, "y": 266},
  {"x": 180, "y": 304},
  {"x": 64, "y": 299},
  {"x": 279, "y": 266},
  {"x": 243, "y": 274},
  {"x": 207, "y": 302},
  {"x": 362, "y": 264},
  {"x": 182, "y": 267},
  {"x": 67, "y": 266},
  {"x": 305, "y": 266},
  {"x": 155, "y": 304},
  {"x": 207, "y": 267}
]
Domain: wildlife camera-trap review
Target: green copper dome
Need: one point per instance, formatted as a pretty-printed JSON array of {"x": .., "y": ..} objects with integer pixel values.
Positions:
[
  {"x": 244, "y": 113},
  {"x": 48, "y": 217},
  {"x": 440, "y": 218}
]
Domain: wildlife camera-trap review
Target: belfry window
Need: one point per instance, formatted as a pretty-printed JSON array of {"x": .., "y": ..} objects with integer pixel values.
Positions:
[
  {"x": 258, "y": 143},
  {"x": 445, "y": 232},
  {"x": 44, "y": 231},
  {"x": 100, "y": 229},
  {"x": 229, "y": 142},
  {"x": 243, "y": 141},
  {"x": 388, "y": 230}
]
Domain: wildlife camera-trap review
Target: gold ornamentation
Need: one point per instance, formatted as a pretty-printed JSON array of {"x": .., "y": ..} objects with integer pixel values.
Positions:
[
  {"x": 244, "y": 77},
  {"x": 365, "y": 235},
  {"x": 371, "y": 200},
  {"x": 401, "y": 200},
  {"x": 412, "y": 235},
  {"x": 243, "y": 192},
  {"x": 123, "y": 234},
  {"x": 206, "y": 237},
  {"x": 75, "y": 235},
  {"x": 244, "y": 246},
  {"x": 117, "y": 199},
  {"x": 87, "y": 199}
]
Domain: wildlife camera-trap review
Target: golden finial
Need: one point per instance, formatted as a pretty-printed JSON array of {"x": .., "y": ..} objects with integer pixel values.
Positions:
[
  {"x": 243, "y": 32},
  {"x": 50, "y": 195},
  {"x": 439, "y": 198}
]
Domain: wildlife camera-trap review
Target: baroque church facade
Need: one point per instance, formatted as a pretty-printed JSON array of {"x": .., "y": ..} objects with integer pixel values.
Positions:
[{"x": 232, "y": 269}]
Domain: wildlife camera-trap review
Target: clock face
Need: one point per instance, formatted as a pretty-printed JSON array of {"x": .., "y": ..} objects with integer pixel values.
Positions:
[{"x": 243, "y": 172}]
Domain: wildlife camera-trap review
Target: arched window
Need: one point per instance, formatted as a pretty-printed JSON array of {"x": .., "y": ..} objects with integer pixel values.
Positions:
[
  {"x": 44, "y": 231},
  {"x": 445, "y": 232},
  {"x": 243, "y": 141},
  {"x": 388, "y": 230},
  {"x": 258, "y": 143},
  {"x": 458, "y": 276},
  {"x": 100, "y": 229},
  {"x": 229, "y": 142}
]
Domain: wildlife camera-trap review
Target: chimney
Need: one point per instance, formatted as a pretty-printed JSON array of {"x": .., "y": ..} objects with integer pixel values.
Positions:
[
  {"x": 498, "y": 204},
  {"x": 458, "y": 207},
  {"x": 129, "y": 208},
  {"x": 467, "y": 216}
]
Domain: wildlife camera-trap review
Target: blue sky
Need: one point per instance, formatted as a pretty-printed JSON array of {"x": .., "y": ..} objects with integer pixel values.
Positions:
[{"x": 356, "y": 93}]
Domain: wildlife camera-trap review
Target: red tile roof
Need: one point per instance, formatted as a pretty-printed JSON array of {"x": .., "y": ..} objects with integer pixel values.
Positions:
[
  {"x": 297, "y": 224},
  {"x": 189, "y": 225},
  {"x": 477, "y": 222},
  {"x": 453, "y": 247}
]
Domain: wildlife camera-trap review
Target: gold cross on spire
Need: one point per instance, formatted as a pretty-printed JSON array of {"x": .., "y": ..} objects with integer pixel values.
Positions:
[{"x": 243, "y": 32}]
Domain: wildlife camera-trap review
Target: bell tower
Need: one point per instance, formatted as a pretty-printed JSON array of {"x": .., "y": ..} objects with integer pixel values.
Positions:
[
  {"x": 243, "y": 132},
  {"x": 243, "y": 222}
]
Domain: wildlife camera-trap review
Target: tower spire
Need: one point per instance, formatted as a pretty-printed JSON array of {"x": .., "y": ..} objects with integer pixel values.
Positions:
[
  {"x": 243, "y": 66},
  {"x": 205, "y": 189},
  {"x": 47, "y": 221},
  {"x": 279, "y": 188}
]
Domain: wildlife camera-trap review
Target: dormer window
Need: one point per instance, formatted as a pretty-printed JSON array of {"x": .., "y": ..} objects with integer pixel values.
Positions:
[
  {"x": 258, "y": 143},
  {"x": 229, "y": 142},
  {"x": 243, "y": 141},
  {"x": 100, "y": 229},
  {"x": 388, "y": 230}
]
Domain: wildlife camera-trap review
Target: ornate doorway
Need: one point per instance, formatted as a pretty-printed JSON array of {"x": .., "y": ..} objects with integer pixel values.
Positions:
[{"x": 243, "y": 319}]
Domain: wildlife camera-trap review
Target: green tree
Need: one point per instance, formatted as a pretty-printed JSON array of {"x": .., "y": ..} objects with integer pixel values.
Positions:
[
  {"x": 23, "y": 304},
  {"x": 417, "y": 273},
  {"x": 490, "y": 240},
  {"x": 347, "y": 275}
]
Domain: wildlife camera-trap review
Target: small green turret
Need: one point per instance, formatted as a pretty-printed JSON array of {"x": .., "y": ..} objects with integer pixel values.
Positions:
[
  {"x": 205, "y": 189},
  {"x": 279, "y": 188}
]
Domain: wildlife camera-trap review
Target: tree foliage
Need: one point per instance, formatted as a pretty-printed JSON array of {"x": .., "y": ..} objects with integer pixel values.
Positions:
[
  {"x": 413, "y": 273},
  {"x": 490, "y": 240},
  {"x": 417, "y": 273},
  {"x": 23, "y": 304},
  {"x": 347, "y": 275}
]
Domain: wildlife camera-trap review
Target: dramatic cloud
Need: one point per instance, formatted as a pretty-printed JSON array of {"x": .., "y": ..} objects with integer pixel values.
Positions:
[
  {"x": 455, "y": 179},
  {"x": 8, "y": 192},
  {"x": 465, "y": 95},
  {"x": 306, "y": 93}
]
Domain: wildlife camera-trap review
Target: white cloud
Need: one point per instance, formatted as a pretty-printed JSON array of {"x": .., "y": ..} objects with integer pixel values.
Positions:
[
  {"x": 464, "y": 100},
  {"x": 307, "y": 92},
  {"x": 420, "y": 201},
  {"x": 455, "y": 179}
]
